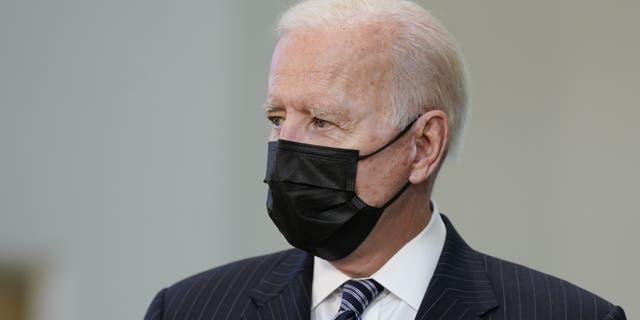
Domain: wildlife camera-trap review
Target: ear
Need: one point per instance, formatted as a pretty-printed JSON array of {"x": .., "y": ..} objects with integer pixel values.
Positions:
[{"x": 430, "y": 145}]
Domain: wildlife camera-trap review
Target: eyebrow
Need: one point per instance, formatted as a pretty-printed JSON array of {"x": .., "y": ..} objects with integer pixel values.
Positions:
[
  {"x": 315, "y": 111},
  {"x": 324, "y": 112},
  {"x": 272, "y": 108}
]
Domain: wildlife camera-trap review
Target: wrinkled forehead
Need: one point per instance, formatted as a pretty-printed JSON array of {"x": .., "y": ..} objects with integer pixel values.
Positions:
[
  {"x": 340, "y": 50},
  {"x": 354, "y": 60}
]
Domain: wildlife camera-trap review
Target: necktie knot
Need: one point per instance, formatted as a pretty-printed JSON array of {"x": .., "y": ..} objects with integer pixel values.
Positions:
[{"x": 356, "y": 296}]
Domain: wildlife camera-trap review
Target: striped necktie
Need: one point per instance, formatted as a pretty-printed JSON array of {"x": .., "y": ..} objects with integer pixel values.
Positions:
[{"x": 357, "y": 295}]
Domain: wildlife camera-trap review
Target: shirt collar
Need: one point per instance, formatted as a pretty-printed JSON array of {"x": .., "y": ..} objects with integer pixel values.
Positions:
[{"x": 407, "y": 274}]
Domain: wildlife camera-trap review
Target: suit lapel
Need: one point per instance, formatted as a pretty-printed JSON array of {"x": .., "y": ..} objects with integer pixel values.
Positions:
[
  {"x": 285, "y": 291},
  {"x": 459, "y": 288}
]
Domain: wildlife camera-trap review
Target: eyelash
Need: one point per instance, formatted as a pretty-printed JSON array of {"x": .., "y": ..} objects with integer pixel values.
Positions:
[
  {"x": 324, "y": 123},
  {"x": 273, "y": 120},
  {"x": 320, "y": 123}
]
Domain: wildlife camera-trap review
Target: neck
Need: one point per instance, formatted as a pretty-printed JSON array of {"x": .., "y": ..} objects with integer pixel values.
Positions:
[{"x": 398, "y": 225}]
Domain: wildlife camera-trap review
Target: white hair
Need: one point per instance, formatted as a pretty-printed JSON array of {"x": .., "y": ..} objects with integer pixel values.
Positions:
[{"x": 427, "y": 68}]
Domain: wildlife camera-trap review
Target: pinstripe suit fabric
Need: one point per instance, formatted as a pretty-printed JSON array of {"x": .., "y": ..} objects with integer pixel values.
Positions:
[{"x": 466, "y": 285}]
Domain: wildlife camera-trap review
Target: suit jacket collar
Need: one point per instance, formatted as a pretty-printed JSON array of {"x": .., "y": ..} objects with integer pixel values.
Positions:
[
  {"x": 285, "y": 291},
  {"x": 459, "y": 288}
]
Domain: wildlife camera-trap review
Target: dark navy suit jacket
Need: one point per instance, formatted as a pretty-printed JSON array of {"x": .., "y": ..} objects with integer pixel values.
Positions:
[{"x": 466, "y": 285}]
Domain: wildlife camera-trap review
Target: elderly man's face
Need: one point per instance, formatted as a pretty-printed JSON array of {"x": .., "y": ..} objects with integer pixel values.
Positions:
[{"x": 329, "y": 88}]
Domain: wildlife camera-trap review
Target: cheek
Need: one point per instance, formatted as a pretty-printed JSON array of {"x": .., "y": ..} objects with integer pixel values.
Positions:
[
  {"x": 274, "y": 134},
  {"x": 379, "y": 179}
]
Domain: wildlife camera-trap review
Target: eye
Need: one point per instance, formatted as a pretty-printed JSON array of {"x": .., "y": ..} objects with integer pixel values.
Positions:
[
  {"x": 276, "y": 121},
  {"x": 321, "y": 123}
]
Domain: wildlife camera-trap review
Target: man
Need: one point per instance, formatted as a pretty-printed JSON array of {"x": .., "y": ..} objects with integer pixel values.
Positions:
[{"x": 366, "y": 99}]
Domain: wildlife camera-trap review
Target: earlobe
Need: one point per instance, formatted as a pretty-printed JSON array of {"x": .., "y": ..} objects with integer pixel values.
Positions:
[{"x": 430, "y": 145}]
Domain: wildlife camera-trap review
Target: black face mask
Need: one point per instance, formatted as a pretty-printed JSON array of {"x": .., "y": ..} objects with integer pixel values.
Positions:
[{"x": 312, "y": 197}]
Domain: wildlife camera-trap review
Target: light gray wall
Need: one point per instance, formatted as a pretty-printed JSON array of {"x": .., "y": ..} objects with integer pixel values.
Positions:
[
  {"x": 133, "y": 145},
  {"x": 551, "y": 154}
]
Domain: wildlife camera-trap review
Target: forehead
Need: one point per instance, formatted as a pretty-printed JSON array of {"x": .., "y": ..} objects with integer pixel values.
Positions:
[{"x": 345, "y": 66}]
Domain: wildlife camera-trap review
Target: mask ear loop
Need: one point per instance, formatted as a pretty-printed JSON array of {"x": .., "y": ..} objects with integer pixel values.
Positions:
[
  {"x": 397, "y": 195},
  {"x": 406, "y": 185},
  {"x": 405, "y": 130}
]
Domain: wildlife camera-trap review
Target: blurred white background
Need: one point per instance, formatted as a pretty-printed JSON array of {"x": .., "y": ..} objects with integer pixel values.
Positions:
[{"x": 133, "y": 145}]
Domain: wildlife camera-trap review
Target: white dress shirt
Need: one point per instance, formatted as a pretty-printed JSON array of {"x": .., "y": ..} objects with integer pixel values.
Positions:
[{"x": 405, "y": 278}]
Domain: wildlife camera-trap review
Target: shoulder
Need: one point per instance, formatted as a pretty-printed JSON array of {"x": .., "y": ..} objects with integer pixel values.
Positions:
[
  {"x": 227, "y": 275},
  {"x": 505, "y": 290},
  {"x": 224, "y": 289},
  {"x": 523, "y": 292}
]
